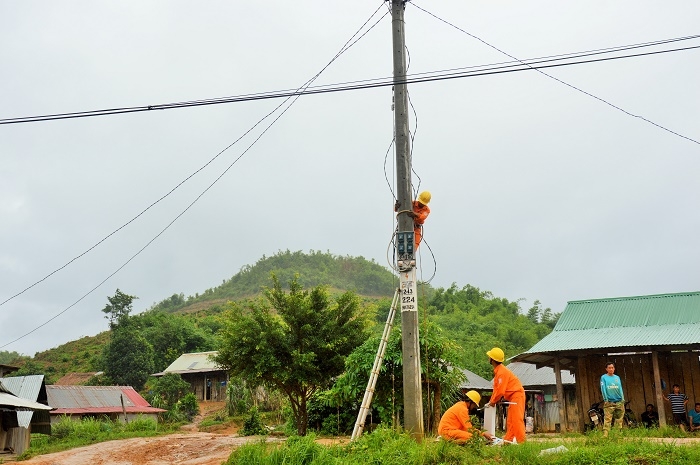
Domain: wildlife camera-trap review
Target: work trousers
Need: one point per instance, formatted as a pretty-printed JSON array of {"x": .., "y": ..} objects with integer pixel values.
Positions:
[
  {"x": 515, "y": 420},
  {"x": 613, "y": 410}
]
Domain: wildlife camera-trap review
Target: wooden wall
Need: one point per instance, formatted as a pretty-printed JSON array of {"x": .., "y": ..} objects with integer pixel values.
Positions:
[{"x": 637, "y": 375}]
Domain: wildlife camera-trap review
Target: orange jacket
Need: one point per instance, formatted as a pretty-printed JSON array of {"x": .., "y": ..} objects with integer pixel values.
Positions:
[
  {"x": 455, "y": 423},
  {"x": 421, "y": 211},
  {"x": 505, "y": 384}
]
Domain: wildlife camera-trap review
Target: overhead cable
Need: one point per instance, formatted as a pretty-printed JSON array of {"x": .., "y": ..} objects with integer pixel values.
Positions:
[
  {"x": 343, "y": 49},
  {"x": 539, "y": 70},
  {"x": 530, "y": 64}
]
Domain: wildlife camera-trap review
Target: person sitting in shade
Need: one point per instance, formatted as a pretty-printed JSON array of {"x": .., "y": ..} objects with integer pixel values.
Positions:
[
  {"x": 694, "y": 417},
  {"x": 456, "y": 425},
  {"x": 650, "y": 417}
]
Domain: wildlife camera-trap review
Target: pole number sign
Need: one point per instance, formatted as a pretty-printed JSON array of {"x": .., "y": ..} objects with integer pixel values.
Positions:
[{"x": 409, "y": 296}]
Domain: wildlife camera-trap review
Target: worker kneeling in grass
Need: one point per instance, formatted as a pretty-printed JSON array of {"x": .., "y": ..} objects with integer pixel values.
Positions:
[{"x": 456, "y": 424}]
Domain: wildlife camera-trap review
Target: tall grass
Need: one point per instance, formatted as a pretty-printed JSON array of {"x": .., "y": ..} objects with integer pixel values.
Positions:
[{"x": 387, "y": 447}]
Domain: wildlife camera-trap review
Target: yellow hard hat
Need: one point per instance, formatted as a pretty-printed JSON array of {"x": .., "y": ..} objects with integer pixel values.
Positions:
[
  {"x": 424, "y": 197},
  {"x": 474, "y": 396},
  {"x": 496, "y": 354}
]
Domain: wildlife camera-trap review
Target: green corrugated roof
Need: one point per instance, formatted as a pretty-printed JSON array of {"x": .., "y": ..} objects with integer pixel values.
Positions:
[{"x": 650, "y": 320}]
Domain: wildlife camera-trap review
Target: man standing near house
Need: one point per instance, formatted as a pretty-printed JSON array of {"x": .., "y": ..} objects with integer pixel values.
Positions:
[
  {"x": 507, "y": 386},
  {"x": 678, "y": 406},
  {"x": 614, "y": 398}
]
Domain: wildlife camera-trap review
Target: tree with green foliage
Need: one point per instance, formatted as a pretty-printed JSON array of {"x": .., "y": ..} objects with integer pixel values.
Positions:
[
  {"x": 8, "y": 357},
  {"x": 170, "y": 388},
  {"x": 439, "y": 376},
  {"x": 296, "y": 341},
  {"x": 128, "y": 356},
  {"x": 172, "y": 335},
  {"x": 120, "y": 306},
  {"x": 478, "y": 321}
]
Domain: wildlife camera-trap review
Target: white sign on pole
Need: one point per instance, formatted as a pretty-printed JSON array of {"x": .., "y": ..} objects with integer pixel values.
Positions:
[{"x": 409, "y": 291}]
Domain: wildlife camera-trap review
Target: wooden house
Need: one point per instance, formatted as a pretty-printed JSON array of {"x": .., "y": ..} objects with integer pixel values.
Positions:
[
  {"x": 23, "y": 410},
  {"x": 207, "y": 379},
  {"x": 654, "y": 341}
]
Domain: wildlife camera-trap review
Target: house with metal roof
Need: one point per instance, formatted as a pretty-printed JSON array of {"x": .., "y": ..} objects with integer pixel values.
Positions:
[
  {"x": 118, "y": 403},
  {"x": 207, "y": 379},
  {"x": 542, "y": 398},
  {"x": 475, "y": 382},
  {"x": 654, "y": 341},
  {"x": 24, "y": 410}
]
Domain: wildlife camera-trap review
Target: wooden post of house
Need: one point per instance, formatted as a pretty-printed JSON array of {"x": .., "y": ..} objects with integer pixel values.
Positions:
[
  {"x": 657, "y": 389},
  {"x": 563, "y": 422},
  {"x": 580, "y": 388}
]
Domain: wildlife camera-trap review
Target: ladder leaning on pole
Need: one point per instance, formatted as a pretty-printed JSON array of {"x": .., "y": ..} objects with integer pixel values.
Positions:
[{"x": 369, "y": 392}]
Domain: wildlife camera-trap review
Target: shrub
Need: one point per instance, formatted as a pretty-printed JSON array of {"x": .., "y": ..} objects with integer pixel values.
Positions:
[
  {"x": 253, "y": 424},
  {"x": 188, "y": 406}
]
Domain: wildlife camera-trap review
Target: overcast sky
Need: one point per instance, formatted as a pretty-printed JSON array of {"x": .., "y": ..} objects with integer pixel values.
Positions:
[{"x": 539, "y": 191}]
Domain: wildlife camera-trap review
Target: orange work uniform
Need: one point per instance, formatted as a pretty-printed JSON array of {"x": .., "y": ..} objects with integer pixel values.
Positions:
[
  {"x": 507, "y": 385},
  {"x": 455, "y": 424},
  {"x": 421, "y": 211}
]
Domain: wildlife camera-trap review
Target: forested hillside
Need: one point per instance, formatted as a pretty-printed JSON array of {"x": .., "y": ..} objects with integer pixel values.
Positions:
[{"x": 475, "y": 320}]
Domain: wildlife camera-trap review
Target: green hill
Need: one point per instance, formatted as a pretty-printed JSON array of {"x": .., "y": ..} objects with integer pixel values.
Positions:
[
  {"x": 366, "y": 278},
  {"x": 475, "y": 319}
]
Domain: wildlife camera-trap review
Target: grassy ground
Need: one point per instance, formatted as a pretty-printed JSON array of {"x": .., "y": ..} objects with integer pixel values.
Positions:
[{"x": 387, "y": 447}]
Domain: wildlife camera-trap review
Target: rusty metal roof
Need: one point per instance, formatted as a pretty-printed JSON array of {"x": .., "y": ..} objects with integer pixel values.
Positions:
[
  {"x": 626, "y": 322},
  {"x": 97, "y": 399},
  {"x": 198, "y": 362}
]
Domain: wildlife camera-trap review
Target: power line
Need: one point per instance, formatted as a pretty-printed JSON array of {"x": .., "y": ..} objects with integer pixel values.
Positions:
[
  {"x": 453, "y": 73},
  {"x": 538, "y": 69},
  {"x": 343, "y": 49}
]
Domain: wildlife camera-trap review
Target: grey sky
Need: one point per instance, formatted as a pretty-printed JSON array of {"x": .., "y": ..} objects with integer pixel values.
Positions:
[{"x": 539, "y": 192}]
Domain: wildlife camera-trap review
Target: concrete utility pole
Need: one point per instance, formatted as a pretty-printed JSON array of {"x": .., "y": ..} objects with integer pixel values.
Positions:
[{"x": 405, "y": 245}]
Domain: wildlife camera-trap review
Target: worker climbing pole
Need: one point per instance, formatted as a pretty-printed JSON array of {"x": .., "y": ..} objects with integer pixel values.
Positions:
[{"x": 405, "y": 237}]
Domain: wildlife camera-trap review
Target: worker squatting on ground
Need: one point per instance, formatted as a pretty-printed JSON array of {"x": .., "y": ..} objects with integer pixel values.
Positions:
[
  {"x": 456, "y": 425},
  {"x": 507, "y": 386},
  {"x": 419, "y": 213}
]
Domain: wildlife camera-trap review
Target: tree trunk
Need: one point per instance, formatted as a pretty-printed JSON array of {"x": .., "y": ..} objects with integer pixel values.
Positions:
[
  {"x": 303, "y": 417},
  {"x": 437, "y": 406}
]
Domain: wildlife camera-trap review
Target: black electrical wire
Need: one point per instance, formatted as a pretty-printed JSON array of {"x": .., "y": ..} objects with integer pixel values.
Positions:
[
  {"x": 515, "y": 65},
  {"x": 539, "y": 70},
  {"x": 343, "y": 49}
]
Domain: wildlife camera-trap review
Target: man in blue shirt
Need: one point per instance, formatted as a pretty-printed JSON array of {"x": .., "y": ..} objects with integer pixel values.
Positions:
[
  {"x": 614, "y": 398},
  {"x": 694, "y": 417}
]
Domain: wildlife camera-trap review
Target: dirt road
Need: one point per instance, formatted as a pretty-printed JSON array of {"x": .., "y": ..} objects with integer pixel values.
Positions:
[
  {"x": 181, "y": 449},
  {"x": 190, "y": 447}
]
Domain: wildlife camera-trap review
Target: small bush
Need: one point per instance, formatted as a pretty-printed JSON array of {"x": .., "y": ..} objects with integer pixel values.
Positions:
[
  {"x": 188, "y": 406},
  {"x": 253, "y": 424},
  {"x": 64, "y": 428}
]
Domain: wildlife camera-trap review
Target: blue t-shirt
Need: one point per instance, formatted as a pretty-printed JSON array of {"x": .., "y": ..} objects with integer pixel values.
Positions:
[
  {"x": 695, "y": 416},
  {"x": 611, "y": 388}
]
